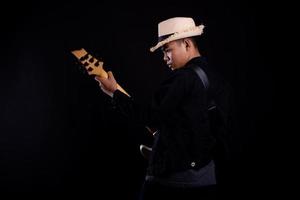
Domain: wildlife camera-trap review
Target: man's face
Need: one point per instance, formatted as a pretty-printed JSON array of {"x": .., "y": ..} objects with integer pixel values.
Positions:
[{"x": 175, "y": 54}]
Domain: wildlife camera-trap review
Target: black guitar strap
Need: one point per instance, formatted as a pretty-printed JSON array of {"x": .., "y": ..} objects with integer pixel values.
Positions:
[{"x": 202, "y": 76}]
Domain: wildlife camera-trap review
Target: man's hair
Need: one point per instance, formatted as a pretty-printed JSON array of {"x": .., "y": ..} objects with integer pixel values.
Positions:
[{"x": 194, "y": 41}]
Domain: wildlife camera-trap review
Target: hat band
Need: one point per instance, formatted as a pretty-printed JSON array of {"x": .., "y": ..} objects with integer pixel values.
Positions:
[{"x": 161, "y": 38}]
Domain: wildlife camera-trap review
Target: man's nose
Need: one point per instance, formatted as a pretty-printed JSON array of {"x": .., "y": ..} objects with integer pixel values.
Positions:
[{"x": 166, "y": 58}]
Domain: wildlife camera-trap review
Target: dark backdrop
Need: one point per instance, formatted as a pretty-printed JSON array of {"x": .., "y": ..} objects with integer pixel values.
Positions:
[{"x": 57, "y": 132}]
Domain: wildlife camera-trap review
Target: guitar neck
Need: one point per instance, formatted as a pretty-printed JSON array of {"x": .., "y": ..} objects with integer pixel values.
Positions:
[
  {"x": 93, "y": 65},
  {"x": 122, "y": 90}
]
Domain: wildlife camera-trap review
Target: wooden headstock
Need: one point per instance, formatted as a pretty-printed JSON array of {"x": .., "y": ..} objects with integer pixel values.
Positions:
[{"x": 91, "y": 64}]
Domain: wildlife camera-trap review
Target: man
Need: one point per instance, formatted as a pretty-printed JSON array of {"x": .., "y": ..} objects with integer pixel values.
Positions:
[{"x": 181, "y": 164}]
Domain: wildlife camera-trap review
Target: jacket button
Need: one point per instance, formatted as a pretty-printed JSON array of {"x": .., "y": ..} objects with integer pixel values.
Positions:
[{"x": 193, "y": 164}]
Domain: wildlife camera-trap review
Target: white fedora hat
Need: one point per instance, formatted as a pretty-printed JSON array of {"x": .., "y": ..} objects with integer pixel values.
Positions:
[{"x": 176, "y": 28}]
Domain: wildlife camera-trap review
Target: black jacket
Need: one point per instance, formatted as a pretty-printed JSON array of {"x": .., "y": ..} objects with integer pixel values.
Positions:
[{"x": 179, "y": 111}]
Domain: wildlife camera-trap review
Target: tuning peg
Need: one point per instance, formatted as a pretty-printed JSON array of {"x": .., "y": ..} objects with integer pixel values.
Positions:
[
  {"x": 83, "y": 58},
  {"x": 91, "y": 60},
  {"x": 85, "y": 64},
  {"x": 97, "y": 63}
]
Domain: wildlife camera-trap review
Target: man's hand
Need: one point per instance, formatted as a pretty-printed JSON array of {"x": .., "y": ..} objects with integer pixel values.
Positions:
[{"x": 108, "y": 85}]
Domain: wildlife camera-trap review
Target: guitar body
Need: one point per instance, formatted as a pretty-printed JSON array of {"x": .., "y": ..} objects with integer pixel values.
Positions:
[{"x": 145, "y": 151}]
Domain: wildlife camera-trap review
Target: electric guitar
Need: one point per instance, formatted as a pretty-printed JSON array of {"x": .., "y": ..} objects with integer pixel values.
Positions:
[{"x": 95, "y": 67}]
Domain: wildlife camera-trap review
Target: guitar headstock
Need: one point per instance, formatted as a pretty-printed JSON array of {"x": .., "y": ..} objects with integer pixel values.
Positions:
[{"x": 91, "y": 64}]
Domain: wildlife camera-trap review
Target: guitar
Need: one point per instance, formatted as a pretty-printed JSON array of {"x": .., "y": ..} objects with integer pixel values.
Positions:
[
  {"x": 145, "y": 150},
  {"x": 93, "y": 65}
]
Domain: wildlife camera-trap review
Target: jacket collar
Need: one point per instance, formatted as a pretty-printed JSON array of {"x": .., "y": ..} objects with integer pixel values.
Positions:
[{"x": 200, "y": 60}]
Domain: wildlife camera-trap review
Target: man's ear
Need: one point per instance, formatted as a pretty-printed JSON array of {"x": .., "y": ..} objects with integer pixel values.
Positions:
[{"x": 187, "y": 43}]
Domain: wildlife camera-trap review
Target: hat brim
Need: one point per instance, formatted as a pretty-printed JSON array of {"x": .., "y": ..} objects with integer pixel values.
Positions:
[{"x": 194, "y": 31}]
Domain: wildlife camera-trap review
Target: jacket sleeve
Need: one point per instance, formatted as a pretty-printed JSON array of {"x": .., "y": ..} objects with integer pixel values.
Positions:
[{"x": 164, "y": 104}]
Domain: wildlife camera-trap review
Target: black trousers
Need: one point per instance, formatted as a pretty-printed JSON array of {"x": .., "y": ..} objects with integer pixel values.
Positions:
[{"x": 154, "y": 191}]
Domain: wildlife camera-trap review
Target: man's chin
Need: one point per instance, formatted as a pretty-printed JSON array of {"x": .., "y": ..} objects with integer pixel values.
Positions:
[{"x": 170, "y": 66}]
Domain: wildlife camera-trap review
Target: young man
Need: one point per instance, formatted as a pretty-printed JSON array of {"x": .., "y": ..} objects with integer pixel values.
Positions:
[{"x": 181, "y": 164}]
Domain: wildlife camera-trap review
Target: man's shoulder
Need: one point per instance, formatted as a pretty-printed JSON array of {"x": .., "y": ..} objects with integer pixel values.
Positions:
[
  {"x": 182, "y": 74},
  {"x": 199, "y": 61}
]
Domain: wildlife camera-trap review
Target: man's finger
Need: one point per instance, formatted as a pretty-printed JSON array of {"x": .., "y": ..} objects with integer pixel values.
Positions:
[
  {"x": 110, "y": 75},
  {"x": 100, "y": 80},
  {"x": 96, "y": 78}
]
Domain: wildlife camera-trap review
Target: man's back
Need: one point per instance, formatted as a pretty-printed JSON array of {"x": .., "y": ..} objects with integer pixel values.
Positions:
[{"x": 184, "y": 141}]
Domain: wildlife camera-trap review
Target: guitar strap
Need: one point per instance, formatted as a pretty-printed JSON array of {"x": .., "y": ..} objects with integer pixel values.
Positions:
[{"x": 202, "y": 76}]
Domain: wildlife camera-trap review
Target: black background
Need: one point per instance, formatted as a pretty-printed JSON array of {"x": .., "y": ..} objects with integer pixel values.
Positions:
[{"x": 57, "y": 132}]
